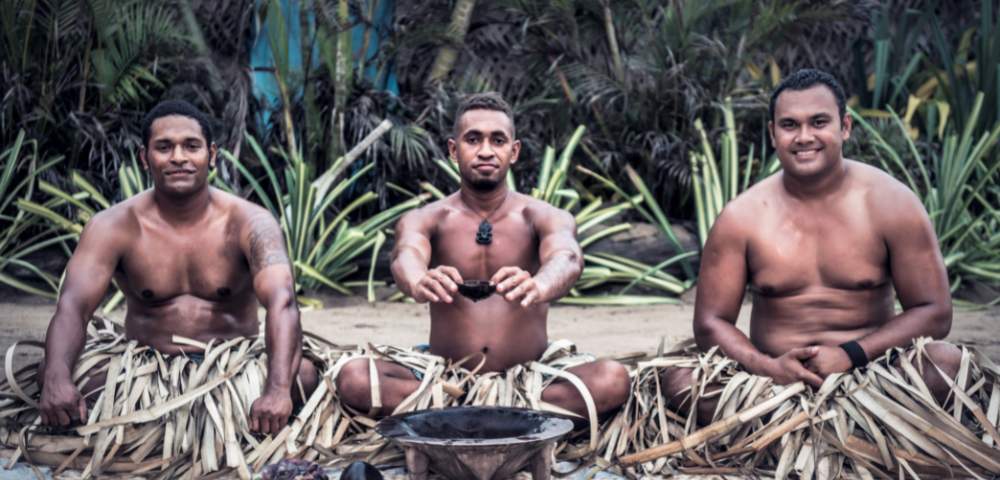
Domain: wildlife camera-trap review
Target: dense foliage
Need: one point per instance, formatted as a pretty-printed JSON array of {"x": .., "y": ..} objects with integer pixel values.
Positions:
[{"x": 672, "y": 93}]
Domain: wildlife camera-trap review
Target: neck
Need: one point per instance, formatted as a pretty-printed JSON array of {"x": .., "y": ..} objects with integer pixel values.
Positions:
[
  {"x": 182, "y": 209},
  {"x": 484, "y": 203},
  {"x": 818, "y": 186}
]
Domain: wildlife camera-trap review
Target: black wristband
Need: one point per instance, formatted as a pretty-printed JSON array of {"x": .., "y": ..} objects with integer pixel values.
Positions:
[{"x": 857, "y": 354}]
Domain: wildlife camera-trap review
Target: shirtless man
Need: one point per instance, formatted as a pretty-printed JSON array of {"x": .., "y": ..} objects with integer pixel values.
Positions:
[
  {"x": 191, "y": 261},
  {"x": 823, "y": 246},
  {"x": 532, "y": 257}
]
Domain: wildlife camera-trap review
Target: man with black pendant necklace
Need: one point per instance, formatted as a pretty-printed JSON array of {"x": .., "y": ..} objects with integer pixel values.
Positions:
[{"x": 523, "y": 247}]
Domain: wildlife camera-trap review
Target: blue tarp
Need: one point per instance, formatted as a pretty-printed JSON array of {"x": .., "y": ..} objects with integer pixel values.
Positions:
[{"x": 265, "y": 88}]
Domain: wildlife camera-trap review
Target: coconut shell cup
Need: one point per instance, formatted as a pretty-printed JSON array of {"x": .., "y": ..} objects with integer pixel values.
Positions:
[{"x": 476, "y": 290}]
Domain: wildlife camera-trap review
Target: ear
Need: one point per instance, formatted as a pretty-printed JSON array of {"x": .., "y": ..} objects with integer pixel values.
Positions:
[
  {"x": 770, "y": 132},
  {"x": 847, "y": 124},
  {"x": 213, "y": 152},
  {"x": 516, "y": 149},
  {"x": 452, "y": 148},
  {"x": 142, "y": 158}
]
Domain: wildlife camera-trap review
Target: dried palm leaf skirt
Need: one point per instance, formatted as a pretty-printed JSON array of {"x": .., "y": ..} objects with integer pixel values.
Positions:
[
  {"x": 172, "y": 417},
  {"x": 161, "y": 416},
  {"x": 447, "y": 383},
  {"x": 878, "y": 422}
]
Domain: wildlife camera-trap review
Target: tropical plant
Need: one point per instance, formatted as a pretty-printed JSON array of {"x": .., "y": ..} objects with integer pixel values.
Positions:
[
  {"x": 716, "y": 182},
  {"x": 82, "y": 199},
  {"x": 966, "y": 68},
  {"x": 21, "y": 234},
  {"x": 960, "y": 188},
  {"x": 323, "y": 244},
  {"x": 76, "y": 74}
]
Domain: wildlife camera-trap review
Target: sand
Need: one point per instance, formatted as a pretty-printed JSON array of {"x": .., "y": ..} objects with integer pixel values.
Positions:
[{"x": 603, "y": 331}]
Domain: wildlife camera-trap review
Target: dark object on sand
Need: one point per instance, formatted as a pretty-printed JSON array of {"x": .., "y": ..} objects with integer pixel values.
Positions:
[
  {"x": 476, "y": 290},
  {"x": 481, "y": 443},
  {"x": 361, "y": 471},
  {"x": 293, "y": 469}
]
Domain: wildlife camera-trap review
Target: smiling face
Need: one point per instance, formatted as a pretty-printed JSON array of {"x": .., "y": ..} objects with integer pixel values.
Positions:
[
  {"x": 484, "y": 148},
  {"x": 807, "y": 131},
  {"x": 177, "y": 156}
]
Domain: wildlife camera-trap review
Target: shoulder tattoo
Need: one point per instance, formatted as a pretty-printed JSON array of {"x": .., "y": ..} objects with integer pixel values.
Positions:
[{"x": 266, "y": 243}]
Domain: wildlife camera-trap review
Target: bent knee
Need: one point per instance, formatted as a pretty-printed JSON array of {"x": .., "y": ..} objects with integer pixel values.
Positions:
[
  {"x": 354, "y": 383},
  {"x": 308, "y": 375},
  {"x": 613, "y": 384},
  {"x": 946, "y": 356}
]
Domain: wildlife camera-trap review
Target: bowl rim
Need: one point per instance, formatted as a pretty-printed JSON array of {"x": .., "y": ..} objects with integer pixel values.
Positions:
[{"x": 555, "y": 427}]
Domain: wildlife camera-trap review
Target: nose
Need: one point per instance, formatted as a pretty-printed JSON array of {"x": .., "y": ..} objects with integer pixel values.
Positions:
[
  {"x": 178, "y": 155},
  {"x": 486, "y": 151},
  {"x": 805, "y": 134}
]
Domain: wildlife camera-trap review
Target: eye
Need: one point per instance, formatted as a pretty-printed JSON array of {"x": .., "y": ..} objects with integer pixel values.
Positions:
[
  {"x": 500, "y": 140},
  {"x": 821, "y": 122}
]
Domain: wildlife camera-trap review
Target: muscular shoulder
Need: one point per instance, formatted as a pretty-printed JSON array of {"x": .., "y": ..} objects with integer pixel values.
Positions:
[
  {"x": 540, "y": 212},
  {"x": 119, "y": 222},
  {"x": 427, "y": 216},
  {"x": 743, "y": 213},
  {"x": 882, "y": 190}
]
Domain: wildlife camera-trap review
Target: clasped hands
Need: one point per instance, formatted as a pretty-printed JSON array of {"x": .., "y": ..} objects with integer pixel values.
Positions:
[
  {"x": 515, "y": 284},
  {"x": 808, "y": 364}
]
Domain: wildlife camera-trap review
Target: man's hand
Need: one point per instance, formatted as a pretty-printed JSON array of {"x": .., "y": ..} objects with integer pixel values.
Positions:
[
  {"x": 438, "y": 285},
  {"x": 829, "y": 360},
  {"x": 62, "y": 404},
  {"x": 790, "y": 367},
  {"x": 516, "y": 284},
  {"x": 270, "y": 412}
]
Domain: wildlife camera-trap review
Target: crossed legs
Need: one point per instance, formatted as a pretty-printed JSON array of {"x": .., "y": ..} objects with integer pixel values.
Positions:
[
  {"x": 607, "y": 381},
  {"x": 677, "y": 382}
]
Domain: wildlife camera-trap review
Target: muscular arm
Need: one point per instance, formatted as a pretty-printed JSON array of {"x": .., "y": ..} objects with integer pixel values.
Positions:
[
  {"x": 918, "y": 275},
  {"x": 264, "y": 247},
  {"x": 721, "y": 284},
  {"x": 87, "y": 277},
  {"x": 412, "y": 253},
  {"x": 560, "y": 255}
]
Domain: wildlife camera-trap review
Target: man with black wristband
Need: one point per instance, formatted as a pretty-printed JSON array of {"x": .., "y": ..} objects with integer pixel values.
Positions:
[{"x": 825, "y": 247}]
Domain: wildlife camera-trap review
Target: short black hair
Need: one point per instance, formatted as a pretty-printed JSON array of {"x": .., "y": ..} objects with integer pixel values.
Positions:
[
  {"x": 175, "y": 107},
  {"x": 807, "y": 78},
  {"x": 483, "y": 101}
]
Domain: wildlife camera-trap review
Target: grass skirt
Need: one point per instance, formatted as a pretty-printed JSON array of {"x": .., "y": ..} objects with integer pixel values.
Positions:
[
  {"x": 878, "y": 422},
  {"x": 447, "y": 383},
  {"x": 161, "y": 416}
]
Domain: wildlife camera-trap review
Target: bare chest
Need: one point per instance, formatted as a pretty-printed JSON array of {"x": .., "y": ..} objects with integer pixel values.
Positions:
[
  {"x": 513, "y": 242},
  {"x": 839, "y": 248},
  {"x": 206, "y": 262}
]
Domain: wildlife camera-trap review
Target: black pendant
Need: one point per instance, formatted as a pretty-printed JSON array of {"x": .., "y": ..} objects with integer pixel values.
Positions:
[{"x": 485, "y": 234}]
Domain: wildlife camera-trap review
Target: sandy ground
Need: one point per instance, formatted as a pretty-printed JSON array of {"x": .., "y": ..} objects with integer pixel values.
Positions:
[{"x": 604, "y": 331}]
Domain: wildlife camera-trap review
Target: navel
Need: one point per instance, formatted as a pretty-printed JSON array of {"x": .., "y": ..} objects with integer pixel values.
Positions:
[
  {"x": 147, "y": 294},
  {"x": 224, "y": 292},
  {"x": 486, "y": 350}
]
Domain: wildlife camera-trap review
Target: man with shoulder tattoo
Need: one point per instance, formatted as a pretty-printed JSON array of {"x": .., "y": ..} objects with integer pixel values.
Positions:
[
  {"x": 192, "y": 261},
  {"x": 485, "y": 232}
]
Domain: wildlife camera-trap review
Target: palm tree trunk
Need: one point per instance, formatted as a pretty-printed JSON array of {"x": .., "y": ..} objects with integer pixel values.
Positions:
[{"x": 448, "y": 53}]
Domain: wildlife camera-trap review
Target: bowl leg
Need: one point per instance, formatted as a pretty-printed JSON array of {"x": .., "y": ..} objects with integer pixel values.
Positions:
[
  {"x": 416, "y": 464},
  {"x": 541, "y": 463}
]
